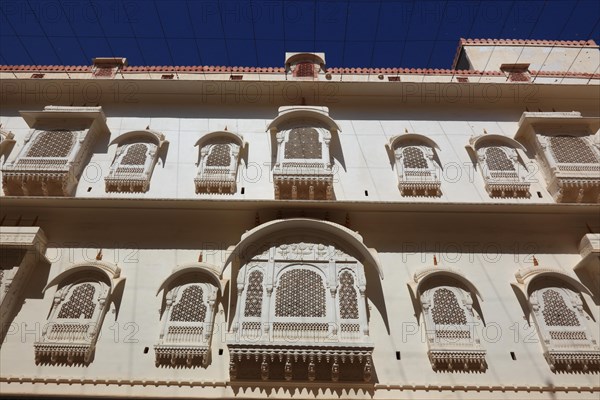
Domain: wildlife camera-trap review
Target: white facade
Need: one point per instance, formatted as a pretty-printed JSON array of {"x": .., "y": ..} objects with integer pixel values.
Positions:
[{"x": 302, "y": 231}]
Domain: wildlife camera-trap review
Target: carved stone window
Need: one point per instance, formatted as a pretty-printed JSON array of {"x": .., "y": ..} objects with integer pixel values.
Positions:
[
  {"x": 75, "y": 321},
  {"x": 136, "y": 156},
  {"x": 572, "y": 150},
  {"x": 413, "y": 157},
  {"x": 304, "y": 70},
  {"x": 348, "y": 296},
  {"x": 219, "y": 161},
  {"x": 501, "y": 165},
  {"x": 449, "y": 320},
  {"x": 568, "y": 150},
  {"x": 303, "y": 143},
  {"x": 300, "y": 293},
  {"x": 303, "y": 167},
  {"x": 416, "y": 165},
  {"x": 301, "y": 305},
  {"x": 254, "y": 295},
  {"x": 52, "y": 144},
  {"x": 55, "y": 150},
  {"x": 190, "y": 307},
  {"x": 563, "y": 328},
  {"x": 304, "y": 65},
  {"x": 497, "y": 159},
  {"x": 188, "y": 316},
  {"x": 80, "y": 304}
]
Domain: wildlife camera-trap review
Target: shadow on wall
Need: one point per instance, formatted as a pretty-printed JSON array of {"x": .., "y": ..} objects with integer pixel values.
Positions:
[
  {"x": 33, "y": 287},
  {"x": 341, "y": 390}
]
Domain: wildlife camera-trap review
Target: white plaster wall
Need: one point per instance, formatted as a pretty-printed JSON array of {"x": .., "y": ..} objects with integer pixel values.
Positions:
[
  {"x": 540, "y": 58},
  {"x": 366, "y": 161}
]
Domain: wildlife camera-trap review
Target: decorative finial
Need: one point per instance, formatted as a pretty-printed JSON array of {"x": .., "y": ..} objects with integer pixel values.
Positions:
[
  {"x": 484, "y": 131},
  {"x": 405, "y": 130},
  {"x": 148, "y": 127},
  {"x": 434, "y": 260},
  {"x": 200, "y": 257},
  {"x": 99, "y": 255},
  {"x": 226, "y": 128},
  {"x": 535, "y": 262}
]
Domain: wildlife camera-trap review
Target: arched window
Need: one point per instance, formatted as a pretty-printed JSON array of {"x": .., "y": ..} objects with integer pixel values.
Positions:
[
  {"x": 220, "y": 156},
  {"x": 295, "y": 293},
  {"x": 76, "y": 316},
  {"x": 563, "y": 326},
  {"x": 501, "y": 166},
  {"x": 190, "y": 299},
  {"x": 303, "y": 167},
  {"x": 447, "y": 299},
  {"x": 54, "y": 152},
  {"x": 416, "y": 166},
  {"x": 136, "y": 156}
]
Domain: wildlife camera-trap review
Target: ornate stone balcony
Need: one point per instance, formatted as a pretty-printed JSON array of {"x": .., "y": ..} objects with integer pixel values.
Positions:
[
  {"x": 216, "y": 179},
  {"x": 506, "y": 184},
  {"x": 419, "y": 182},
  {"x": 300, "y": 352},
  {"x": 299, "y": 180},
  {"x": 66, "y": 343},
  {"x": 182, "y": 344},
  {"x": 568, "y": 151},
  {"x": 54, "y": 153}
]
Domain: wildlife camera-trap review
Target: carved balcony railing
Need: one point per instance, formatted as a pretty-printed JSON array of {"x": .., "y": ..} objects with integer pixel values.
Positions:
[
  {"x": 303, "y": 180},
  {"x": 419, "y": 182},
  {"x": 453, "y": 347},
  {"x": 505, "y": 184},
  {"x": 216, "y": 180},
  {"x": 574, "y": 181},
  {"x": 312, "y": 351},
  {"x": 128, "y": 178},
  {"x": 69, "y": 342},
  {"x": 183, "y": 343},
  {"x": 54, "y": 151}
]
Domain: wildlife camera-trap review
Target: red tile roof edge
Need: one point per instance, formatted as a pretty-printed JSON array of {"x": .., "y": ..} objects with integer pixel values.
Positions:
[
  {"x": 521, "y": 42},
  {"x": 241, "y": 70}
]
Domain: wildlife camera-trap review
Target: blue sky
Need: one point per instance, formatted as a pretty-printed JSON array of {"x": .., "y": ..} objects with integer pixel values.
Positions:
[{"x": 412, "y": 34}]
